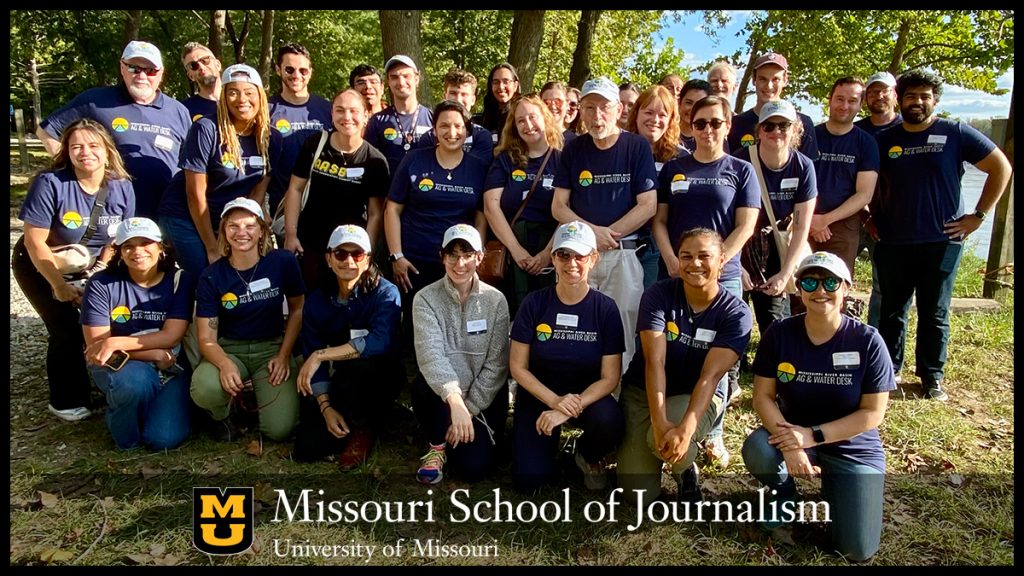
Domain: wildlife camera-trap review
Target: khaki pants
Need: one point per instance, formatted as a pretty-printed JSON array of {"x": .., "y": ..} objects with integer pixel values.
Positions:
[{"x": 620, "y": 275}]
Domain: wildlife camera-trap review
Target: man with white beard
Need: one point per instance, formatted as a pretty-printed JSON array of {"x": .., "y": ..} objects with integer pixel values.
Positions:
[
  {"x": 148, "y": 126},
  {"x": 202, "y": 68}
]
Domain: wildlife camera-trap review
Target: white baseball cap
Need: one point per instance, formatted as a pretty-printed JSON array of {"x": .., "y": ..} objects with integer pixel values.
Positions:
[
  {"x": 826, "y": 261},
  {"x": 463, "y": 232},
  {"x": 137, "y": 228},
  {"x": 139, "y": 49},
  {"x": 575, "y": 236},
  {"x": 245, "y": 204},
  {"x": 603, "y": 87},
  {"x": 777, "y": 108},
  {"x": 349, "y": 234},
  {"x": 400, "y": 59},
  {"x": 883, "y": 77},
  {"x": 241, "y": 73}
]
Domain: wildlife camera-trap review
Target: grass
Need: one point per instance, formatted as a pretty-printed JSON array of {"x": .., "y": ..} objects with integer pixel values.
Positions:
[{"x": 949, "y": 497}]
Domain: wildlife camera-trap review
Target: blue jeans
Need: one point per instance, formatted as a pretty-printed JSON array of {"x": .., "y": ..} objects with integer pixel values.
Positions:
[
  {"x": 875, "y": 301},
  {"x": 650, "y": 258},
  {"x": 141, "y": 410},
  {"x": 853, "y": 492},
  {"x": 189, "y": 250},
  {"x": 929, "y": 270},
  {"x": 735, "y": 286}
]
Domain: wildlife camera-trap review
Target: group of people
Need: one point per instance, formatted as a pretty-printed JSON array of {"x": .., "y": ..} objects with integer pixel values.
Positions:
[{"x": 636, "y": 222}]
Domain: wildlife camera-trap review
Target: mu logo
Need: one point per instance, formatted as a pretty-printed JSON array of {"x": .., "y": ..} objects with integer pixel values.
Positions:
[{"x": 222, "y": 519}]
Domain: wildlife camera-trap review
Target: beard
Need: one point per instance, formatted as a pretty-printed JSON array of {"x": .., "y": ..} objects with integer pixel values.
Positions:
[
  {"x": 601, "y": 133},
  {"x": 143, "y": 93},
  {"x": 208, "y": 81},
  {"x": 915, "y": 115}
]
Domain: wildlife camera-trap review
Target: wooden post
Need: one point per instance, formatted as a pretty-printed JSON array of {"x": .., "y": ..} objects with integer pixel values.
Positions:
[
  {"x": 1000, "y": 250},
  {"x": 19, "y": 125}
]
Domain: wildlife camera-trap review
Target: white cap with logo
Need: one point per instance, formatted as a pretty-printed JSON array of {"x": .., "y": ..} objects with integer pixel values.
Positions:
[
  {"x": 826, "y": 261},
  {"x": 137, "y": 228},
  {"x": 241, "y": 73},
  {"x": 140, "y": 49},
  {"x": 463, "y": 232},
  {"x": 575, "y": 236},
  {"x": 883, "y": 77},
  {"x": 603, "y": 87},
  {"x": 777, "y": 108},
  {"x": 245, "y": 204},
  {"x": 349, "y": 234}
]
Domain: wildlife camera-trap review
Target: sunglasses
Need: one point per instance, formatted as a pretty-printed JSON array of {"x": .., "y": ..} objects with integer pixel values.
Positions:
[
  {"x": 574, "y": 105},
  {"x": 291, "y": 70},
  {"x": 702, "y": 123},
  {"x": 195, "y": 64},
  {"x": 771, "y": 126},
  {"x": 566, "y": 255},
  {"x": 133, "y": 69},
  {"x": 557, "y": 101},
  {"x": 830, "y": 284},
  {"x": 340, "y": 254}
]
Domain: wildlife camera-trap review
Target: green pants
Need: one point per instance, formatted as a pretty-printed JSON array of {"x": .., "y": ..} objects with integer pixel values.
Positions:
[
  {"x": 639, "y": 466},
  {"x": 279, "y": 405}
]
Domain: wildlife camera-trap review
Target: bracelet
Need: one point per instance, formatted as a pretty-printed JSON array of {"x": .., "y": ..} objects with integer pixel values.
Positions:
[{"x": 324, "y": 406}]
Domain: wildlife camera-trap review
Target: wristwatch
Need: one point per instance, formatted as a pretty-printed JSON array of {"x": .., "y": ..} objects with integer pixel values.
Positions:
[
  {"x": 980, "y": 215},
  {"x": 819, "y": 436},
  {"x": 396, "y": 257}
]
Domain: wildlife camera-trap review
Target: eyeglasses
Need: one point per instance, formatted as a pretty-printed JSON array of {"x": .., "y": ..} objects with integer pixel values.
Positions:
[
  {"x": 566, "y": 255},
  {"x": 702, "y": 124},
  {"x": 459, "y": 257},
  {"x": 605, "y": 109},
  {"x": 573, "y": 105},
  {"x": 554, "y": 102},
  {"x": 830, "y": 284},
  {"x": 771, "y": 126},
  {"x": 289, "y": 70},
  {"x": 502, "y": 81},
  {"x": 195, "y": 64},
  {"x": 133, "y": 69},
  {"x": 372, "y": 81},
  {"x": 340, "y": 254}
]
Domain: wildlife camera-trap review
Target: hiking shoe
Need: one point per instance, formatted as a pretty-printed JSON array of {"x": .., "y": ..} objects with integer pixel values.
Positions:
[
  {"x": 594, "y": 475},
  {"x": 70, "y": 414},
  {"x": 934, "y": 391},
  {"x": 432, "y": 469},
  {"x": 360, "y": 441},
  {"x": 689, "y": 485},
  {"x": 715, "y": 450}
]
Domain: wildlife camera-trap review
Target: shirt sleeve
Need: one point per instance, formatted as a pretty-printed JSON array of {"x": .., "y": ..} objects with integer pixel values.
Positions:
[
  {"x": 808, "y": 181},
  {"x": 497, "y": 174},
  {"x": 311, "y": 338},
  {"x": 200, "y": 144},
  {"x": 878, "y": 373},
  {"x": 428, "y": 338},
  {"x": 207, "y": 300},
  {"x": 734, "y": 330},
  {"x": 304, "y": 161},
  {"x": 975, "y": 146},
  {"x": 748, "y": 193},
  {"x": 809, "y": 145},
  {"x": 378, "y": 174},
  {"x": 77, "y": 109},
  {"x": 293, "y": 283},
  {"x": 561, "y": 179},
  {"x": 523, "y": 326},
  {"x": 645, "y": 176},
  {"x": 867, "y": 160},
  {"x": 766, "y": 360},
  {"x": 96, "y": 302},
  {"x": 384, "y": 320},
  {"x": 40, "y": 204},
  {"x": 613, "y": 336},
  {"x": 183, "y": 298},
  {"x": 651, "y": 314},
  {"x": 399, "y": 191}
]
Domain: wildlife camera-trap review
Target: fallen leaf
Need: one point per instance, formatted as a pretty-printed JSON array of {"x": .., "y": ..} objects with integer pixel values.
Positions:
[
  {"x": 948, "y": 465},
  {"x": 48, "y": 500},
  {"x": 899, "y": 518},
  {"x": 157, "y": 549},
  {"x": 253, "y": 448},
  {"x": 108, "y": 501},
  {"x": 769, "y": 550},
  {"x": 55, "y": 555},
  {"x": 784, "y": 534},
  {"x": 140, "y": 558},
  {"x": 148, "y": 472},
  {"x": 169, "y": 560},
  {"x": 956, "y": 479}
]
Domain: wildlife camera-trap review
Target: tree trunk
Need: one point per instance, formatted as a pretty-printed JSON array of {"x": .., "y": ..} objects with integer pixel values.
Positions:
[
  {"x": 400, "y": 34},
  {"x": 37, "y": 102},
  {"x": 238, "y": 41},
  {"x": 216, "y": 43},
  {"x": 896, "y": 64},
  {"x": 267, "y": 46},
  {"x": 524, "y": 45},
  {"x": 580, "y": 71},
  {"x": 1000, "y": 249},
  {"x": 132, "y": 23},
  {"x": 757, "y": 41}
]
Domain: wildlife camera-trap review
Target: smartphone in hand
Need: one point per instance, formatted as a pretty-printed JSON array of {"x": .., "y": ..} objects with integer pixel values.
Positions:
[{"x": 116, "y": 360}]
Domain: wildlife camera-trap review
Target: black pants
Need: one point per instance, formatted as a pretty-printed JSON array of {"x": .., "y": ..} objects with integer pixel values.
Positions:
[
  {"x": 65, "y": 350},
  {"x": 363, "y": 391}
]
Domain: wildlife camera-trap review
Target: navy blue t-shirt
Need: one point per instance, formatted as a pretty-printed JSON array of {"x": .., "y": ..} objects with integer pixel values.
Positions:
[
  {"x": 567, "y": 342},
  {"x": 205, "y": 154},
  {"x": 708, "y": 195},
  {"x": 725, "y": 323},
  {"x": 199, "y": 107},
  {"x": 866, "y": 125},
  {"x": 568, "y": 136},
  {"x": 788, "y": 186},
  {"x": 515, "y": 183},
  {"x": 295, "y": 124},
  {"x": 603, "y": 184},
  {"x": 249, "y": 303},
  {"x": 743, "y": 133},
  {"x": 433, "y": 202},
  {"x": 840, "y": 158},
  {"x": 389, "y": 131},
  {"x": 113, "y": 299},
  {"x": 56, "y": 201},
  {"x": 815, "y": 384},
  {"x": 919, "y": 181},
  {"x": 478, "y": 142},
  {"x": 148, "y": 136}
]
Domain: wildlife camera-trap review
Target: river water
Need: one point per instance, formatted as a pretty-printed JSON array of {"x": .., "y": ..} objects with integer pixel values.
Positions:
[{"x": 971, "y": 185}]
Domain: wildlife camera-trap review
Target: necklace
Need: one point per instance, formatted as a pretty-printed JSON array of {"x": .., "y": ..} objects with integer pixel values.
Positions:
[
  {"x": 407, "y": 135},
  {"x": 251, "y": 276}
]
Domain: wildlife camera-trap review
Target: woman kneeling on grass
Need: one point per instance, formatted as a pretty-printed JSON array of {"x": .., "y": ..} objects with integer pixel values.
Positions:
[
  {"x": 460, "y": 396},
  {"x": 821, "y": 385},
  {"x": 349, "y": 323}
]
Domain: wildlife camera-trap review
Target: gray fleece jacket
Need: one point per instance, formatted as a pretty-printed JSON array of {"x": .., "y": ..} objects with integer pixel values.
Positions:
[{"x": 462, "y": 349}]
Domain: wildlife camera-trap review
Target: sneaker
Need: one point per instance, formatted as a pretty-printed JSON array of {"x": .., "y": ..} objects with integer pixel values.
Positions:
[
  {"x": 934, "y": 391},
  {"x": 898, "y": 379},
  {"x": 689, "y": 485},
  {"x": 594, "y": 475},
  {"x": 431, "y": 471},
  {"x": 715, "y": 450},
  {"x": 360, "y": 441},
  {"x": 70, "y": 414},
  {"x": 734, "y": 393}
]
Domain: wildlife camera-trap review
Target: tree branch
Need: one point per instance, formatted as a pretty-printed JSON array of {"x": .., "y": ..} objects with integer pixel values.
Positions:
[{"x": 909, "y": 53}]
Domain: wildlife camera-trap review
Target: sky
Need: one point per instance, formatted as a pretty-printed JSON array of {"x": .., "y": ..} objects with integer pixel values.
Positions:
[{"x": 959, "y": 102}]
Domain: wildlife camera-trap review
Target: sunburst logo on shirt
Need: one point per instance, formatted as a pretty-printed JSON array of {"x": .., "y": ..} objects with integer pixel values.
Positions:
[
  {"x": 543, "y": 332},
  {"x": 671, "y": 331},
  {"x": 390, "y": 134},
  {"x": 426, "y": 185},
  {"x": 229, "y": 300},
  {"x": 518, "y": 175},
  {"x": 786, "y": 372},
  {"x": 283, "y": 126},
  {"x": 747, "y": 140},
  {"x": 586, "y": 178},
  {"x": 121, "y": 314},
  {"x": 71, "y": 220},
  {"x": 895, "y": 152},
  {"x": 119, "y": 124}
]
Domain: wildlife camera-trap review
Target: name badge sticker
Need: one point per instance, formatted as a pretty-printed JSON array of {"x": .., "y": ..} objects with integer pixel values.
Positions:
[
  {"x": 494, "y": 137},
  {"x": 469, "y": 141},
  {"x": 353, "y": 334},
  {"x": 705, "y": 335},
  {"x": 845, "y": 360},
  {"x": 476, "y": 326},
  {"x": 658, "y": 166},
  {"x": 680, "y": 186},
  {"x": 261, "y": 284},
  {"x": 421, "y": 130},
  {"x": 937, "y": 139},
  {"x": 163, "y": 142},
  {"x": 354, "y": 172},
  {"x": 789, "y": 183},
  {"x": 570, "y": 320},
  {"x": 256, "y": 161},
  {"x": 548, "y": 182}
]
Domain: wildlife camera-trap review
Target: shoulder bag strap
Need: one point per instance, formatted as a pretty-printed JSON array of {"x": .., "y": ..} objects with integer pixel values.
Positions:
[
  {"x": 533, "y": 187},
  {"x": 94, "y": 215},
  {"x": 767, "y": 201},
  {"x": 305, "y": 191}
]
